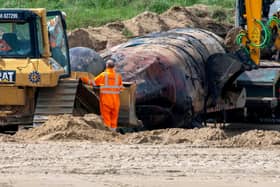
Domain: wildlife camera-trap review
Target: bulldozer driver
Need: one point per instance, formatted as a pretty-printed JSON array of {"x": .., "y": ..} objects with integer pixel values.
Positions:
[
  {"x": 110, "y": 83},
  {"x": 4, "y": 46}
]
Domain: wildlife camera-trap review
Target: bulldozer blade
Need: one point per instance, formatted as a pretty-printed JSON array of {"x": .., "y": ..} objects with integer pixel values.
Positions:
[
  {"x": 127, "y": 113},
  {"x": 90, "y": 98}
]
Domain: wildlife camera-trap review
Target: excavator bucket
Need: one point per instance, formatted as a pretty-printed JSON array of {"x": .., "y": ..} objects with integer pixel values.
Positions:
[{"x": 222, "y": 71}]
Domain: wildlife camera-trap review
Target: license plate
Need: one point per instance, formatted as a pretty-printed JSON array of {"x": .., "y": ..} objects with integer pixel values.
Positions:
[{"x": 7, "y": 76}]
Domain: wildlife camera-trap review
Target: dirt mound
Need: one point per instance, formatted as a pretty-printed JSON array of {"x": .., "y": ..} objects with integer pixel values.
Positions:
[
  {"x": 91, "y": 128},
  {"x": 111, "y": 34},
  {"x": 206, "y": 137},
  {"x": 200, "y": 10},
  {"x": 83, "y": 37},
  {"x": 254, "y": 138},
  {"x": 7, "y": 138},
  {"x": 179, "y": 17},
  {"x": 212, "y": 19},
  {"x": 98, "y": 38},
  {"x": 171, "y": 136},
  {"x": 220, "y": 29},
  {"x": 67, "y": 127},
  {"x": 145, "y": 23},
  {"x": 230, "y": 39}
]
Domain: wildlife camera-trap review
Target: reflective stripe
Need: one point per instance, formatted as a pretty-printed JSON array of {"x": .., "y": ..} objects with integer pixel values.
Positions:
[
  {"x": 103, "y": 88},
  {"x": 111, "y": 92},
  {"x": 90, "y": 82},
  {"x": 110, "y": 86}
]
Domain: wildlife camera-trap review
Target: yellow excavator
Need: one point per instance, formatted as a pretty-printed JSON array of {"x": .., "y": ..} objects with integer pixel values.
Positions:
[
  {"x": 259, "y": 40},
  {"x": 257, "y": 27},
  {"x": 36, "y": 81}
]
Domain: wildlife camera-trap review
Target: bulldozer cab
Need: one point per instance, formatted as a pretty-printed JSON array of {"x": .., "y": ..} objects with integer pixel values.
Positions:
[
  {"x": 34, "y": 34},
  {"x": 16, "y": 35}
]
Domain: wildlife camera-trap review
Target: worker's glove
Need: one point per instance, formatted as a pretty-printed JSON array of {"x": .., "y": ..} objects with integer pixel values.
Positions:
[{"x": 87, "y": 81}]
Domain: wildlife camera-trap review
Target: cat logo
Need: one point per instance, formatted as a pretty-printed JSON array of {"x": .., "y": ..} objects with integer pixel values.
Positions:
[
  {"x": 34, "y": 77},
  {"x": 7, "y": 76}
]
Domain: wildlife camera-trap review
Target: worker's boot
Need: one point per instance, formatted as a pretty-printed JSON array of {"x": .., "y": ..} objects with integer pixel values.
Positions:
[{"x": 113, "y": 129}]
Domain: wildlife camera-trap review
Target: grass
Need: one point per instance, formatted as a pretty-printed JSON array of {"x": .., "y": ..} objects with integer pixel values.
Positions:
[{"x": 83, "y": 13}]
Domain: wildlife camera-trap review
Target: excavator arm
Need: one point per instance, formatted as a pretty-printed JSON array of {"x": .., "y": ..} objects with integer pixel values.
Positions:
[
  {"x": 224, "y": 78},
  {"x": 256, "y": 27}
]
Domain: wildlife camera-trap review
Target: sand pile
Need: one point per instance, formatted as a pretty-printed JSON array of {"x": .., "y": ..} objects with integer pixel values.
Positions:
[
  {"x": 90, "y": 128},
  {"x": 171, "y": 136},
  {"x": 111, "y": 34},
  {"x": 254, "y": 138},
  {"x": 67, "y": 127},
  {"x": 206, "y": 137},
  {"x": 177, "y": 17},
  {"x": 98, "y": 38},
  {"x": 145, "y": 23},
  {"x": 7, "y": 138},
  {"x": 84, "y": 38},
  {"x": 230, "y": 39}
]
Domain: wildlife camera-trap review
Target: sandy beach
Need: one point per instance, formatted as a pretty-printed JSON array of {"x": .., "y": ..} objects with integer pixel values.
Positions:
[{"x": 111, "y": 164}]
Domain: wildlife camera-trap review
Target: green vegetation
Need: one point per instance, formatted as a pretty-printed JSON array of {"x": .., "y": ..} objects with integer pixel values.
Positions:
[{"x": 82, "y": 13}]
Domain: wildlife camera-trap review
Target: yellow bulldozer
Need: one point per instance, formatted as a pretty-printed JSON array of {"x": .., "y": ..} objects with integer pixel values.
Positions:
[{"x": 36, "y": 81}]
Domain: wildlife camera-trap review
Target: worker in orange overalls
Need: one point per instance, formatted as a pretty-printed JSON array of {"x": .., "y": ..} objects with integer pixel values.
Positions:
[{"x": 110, "y": 83}]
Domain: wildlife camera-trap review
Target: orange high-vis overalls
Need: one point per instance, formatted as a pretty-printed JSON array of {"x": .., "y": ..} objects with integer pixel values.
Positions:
[{"x": 110, "y": 84}]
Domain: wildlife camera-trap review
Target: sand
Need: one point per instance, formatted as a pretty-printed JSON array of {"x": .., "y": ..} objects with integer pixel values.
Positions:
[
  {"x": 80, "y": 151},
  {"x": 111, "y": 164}
]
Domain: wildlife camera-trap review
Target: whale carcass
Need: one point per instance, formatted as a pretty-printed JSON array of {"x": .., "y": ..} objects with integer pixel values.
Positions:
[
  {"x": 83, "y": 59},
  {"x": 169, "y": 69}
]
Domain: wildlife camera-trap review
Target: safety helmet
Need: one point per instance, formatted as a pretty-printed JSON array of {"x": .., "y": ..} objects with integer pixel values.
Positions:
[{"x": 110, "y": 63}]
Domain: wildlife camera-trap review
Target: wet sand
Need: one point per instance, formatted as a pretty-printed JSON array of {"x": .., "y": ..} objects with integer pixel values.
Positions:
[{"x": 111, "y": 164}]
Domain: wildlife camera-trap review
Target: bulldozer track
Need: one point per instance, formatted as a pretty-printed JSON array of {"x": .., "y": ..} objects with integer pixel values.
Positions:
[
  {"x": 56, "y": 100},
  {"x": 69, "y": 97}
]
